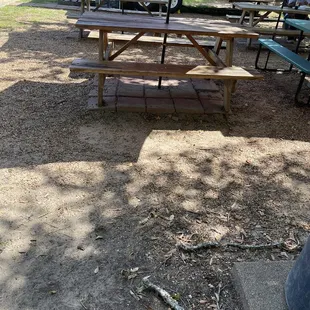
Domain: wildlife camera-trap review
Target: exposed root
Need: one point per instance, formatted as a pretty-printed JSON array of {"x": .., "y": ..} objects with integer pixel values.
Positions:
[
  {"x": 203, "y": 245},
  {"x": 208, "y": 245},
  {"x": 147, "y": 284}
]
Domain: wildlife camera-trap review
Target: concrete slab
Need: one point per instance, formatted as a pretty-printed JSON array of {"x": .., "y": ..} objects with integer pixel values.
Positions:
[{"x": 261, "y": 284}]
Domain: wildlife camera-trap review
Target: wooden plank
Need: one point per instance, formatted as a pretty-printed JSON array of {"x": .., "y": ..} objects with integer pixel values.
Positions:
[
  {"x": 249, "y": 7},
  {"x": 101, "y": 80},
  {"x": 110, "y": 22},
  {"x": 82, "y": 8},
  {"x": 156, "y": 40},
  {"x": 165, "y": 70},
  {"x": 105, "y": 46},
  {"x": 237, "y": 18},
  {"x": 101, "y": 50},
  {"x": 260, "y": 19},
  {"x": 146, "y": 8},
  {"x": 204, "y": 53},
  {"x": 228, "y": 85},
  {"x": 125, "y": 46},
  {"x": 229, "y": 52},
  {"x": 218, "y": 45},
  {"x": 241, "y": 20}
]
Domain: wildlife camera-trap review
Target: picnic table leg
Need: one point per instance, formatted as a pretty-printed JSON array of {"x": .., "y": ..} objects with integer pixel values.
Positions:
[
  {"x": 103, "y": 45},
  {"x": 218, "y": 45},
  {"x": 251, "y": 24},
  {"x": 229, "y": 59},
  {"x": 228, "y": 86},
  {"x": 241, "y": 20},
  {"x": 82, "y": 11},
  {"x": 146, "y": 8},
  {"x": 261, "y": 18},
  {"x": 88, "y": 5},
  {"x": 229, "y": 52}
]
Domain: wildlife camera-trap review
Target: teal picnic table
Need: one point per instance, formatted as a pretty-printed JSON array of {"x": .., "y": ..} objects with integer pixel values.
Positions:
[
  {"x": 292, "y": 57},
  {"x": 303, "y": 26}
]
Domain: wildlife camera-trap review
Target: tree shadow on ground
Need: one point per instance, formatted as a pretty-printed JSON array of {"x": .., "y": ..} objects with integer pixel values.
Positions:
[
  {"x": 78, "y": 176},
  {"x": 83, "y": 190},
  {"x": 69, "y": 219}
]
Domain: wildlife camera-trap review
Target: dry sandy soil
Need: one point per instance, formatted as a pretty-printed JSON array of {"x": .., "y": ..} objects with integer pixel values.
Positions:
[{"x": 85, "y": 197}]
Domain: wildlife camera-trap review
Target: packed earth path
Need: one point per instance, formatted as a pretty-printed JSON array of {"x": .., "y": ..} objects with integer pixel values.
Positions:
[{"x": 91, "y": 203}]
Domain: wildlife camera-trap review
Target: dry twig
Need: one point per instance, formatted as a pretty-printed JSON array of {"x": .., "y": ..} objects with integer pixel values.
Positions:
[
  {"x": 202, "y": 245},
  {"x": 147, "y": 284},
  {"x": 209, "y": 245}
]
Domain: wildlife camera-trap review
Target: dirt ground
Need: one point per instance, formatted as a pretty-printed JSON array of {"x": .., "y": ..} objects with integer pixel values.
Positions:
[{"x": 86, "y": 197}]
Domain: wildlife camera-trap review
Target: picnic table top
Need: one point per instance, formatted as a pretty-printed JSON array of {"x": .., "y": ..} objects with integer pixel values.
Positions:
[
  {"x": 268, "y": 8},
  {"x": 263, "y": 1},
  {"x": 115, "y": 22},
  {"x": 301, "y": 24},
  {"x": 150, "y": 1}
]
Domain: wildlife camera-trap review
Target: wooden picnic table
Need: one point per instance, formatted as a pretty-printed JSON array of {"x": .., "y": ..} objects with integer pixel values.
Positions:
[
  {"x": 255, "y": 1},
  {"x": 223, "y": 31},
  {"x": 86, "y": 4},
  {"x": 252, "y": 9},
  {"x": 251, "y": 1}
]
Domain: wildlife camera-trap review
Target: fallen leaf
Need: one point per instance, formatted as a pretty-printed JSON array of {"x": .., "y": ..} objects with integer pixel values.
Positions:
[
  {"x": 170, "y": 253},
  {"x": 176, "y": 296},
  {"x": 96, "y": 270},
  {"x": 203, "y": 301},
  {"x": 144, "y": 221},
  {"x": 52, "y": 292},
  {"x": 134, "y": 269},
  {"x": 80, "y": 247},
  {"x": 217, "y": 296},
  {"x": 99, "y": 237},
  {"x": 184, "y": 257},
  {"x": 132, "y": 276}
]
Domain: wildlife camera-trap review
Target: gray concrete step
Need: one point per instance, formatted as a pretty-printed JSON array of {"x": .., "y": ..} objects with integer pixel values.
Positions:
[{"x": 260, "y": 285}]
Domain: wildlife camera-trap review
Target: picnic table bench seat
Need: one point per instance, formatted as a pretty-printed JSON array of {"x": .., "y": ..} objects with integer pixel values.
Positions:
[
  {"x": 104, "y": 68},
  {"x": 292, "y": 58},
  {"x": 236, "y": 18},
  {"x": 278, "y": 32},
  {"x": 296, "y": 60},
  {"x": 119, "y": 37}
]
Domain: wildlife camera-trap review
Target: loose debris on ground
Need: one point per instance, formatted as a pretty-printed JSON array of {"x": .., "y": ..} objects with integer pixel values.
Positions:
[{"x": 107, "y": 197}]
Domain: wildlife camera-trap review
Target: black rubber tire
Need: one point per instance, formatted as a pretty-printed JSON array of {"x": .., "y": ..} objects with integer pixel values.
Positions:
[
  {"x": 153, "y": 7},
  {"x": 175, "y": 8}
]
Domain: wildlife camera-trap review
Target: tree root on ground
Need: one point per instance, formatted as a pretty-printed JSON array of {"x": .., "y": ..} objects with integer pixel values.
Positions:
[
  {"x": 209, "y": 245},
  {"x": 147, "y": 284}
]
